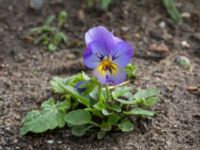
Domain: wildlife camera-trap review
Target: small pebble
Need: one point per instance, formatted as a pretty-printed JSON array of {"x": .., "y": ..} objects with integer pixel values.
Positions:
[
  {"x": 81, "y": 15},
  {"x": 185, "y": 44},
  {"x": 10, "y": 8},
  {"x": 20, "y": 57},
  {"x": 183, "y": 61},
  {"x": 50, "y": 141},
  {"x": 161, "y": 48},
  {"x": 162, "y": 25},
  {"x": 124, "y": 28},
  {"x": 70, "y": 56},
  {"x": 15, "y": 140},
  {"x": 137, "y": 35},
  {"x": 7, "y": 128},
  {"x": 186, "y": 15},
  {"x": 169, "y": 143},
  {"x": 36, "y": 4}
]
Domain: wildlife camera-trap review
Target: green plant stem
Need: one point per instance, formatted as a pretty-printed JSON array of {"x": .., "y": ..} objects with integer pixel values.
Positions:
[
  {"x": 94, "y": 123},
  {"x": 172, "y": 10},
  {"x": 99, "y": 92},
  {"x": 108, "y": 92}
]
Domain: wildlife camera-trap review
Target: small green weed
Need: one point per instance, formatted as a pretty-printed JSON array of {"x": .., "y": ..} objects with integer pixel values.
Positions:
[{"x": 49, "y": 35}]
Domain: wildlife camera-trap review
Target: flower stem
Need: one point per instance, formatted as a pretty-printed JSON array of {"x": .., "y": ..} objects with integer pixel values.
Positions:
[
  {"x": 99, "y": 92},
  {"x": 108, "y": 92}
]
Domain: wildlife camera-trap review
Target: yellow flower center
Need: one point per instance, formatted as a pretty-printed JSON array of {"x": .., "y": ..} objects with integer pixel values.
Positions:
[{"x": 107, "y": 65}]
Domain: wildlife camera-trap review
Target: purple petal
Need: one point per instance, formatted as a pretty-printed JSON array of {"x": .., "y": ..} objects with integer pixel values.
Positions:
[
  {"x": 90, "y": 59},
  {"x": 118, "y": 77},
  {"x": 122, "y": 53},
  {"x": 110, "y": 78},
  {"x": 94, "y": 53},
  {"x": 101, "y": 76},
  {"x": 102, "y": 35},
  {"x": 77, "y": 86},
  {"x": 116, "y": 39}
]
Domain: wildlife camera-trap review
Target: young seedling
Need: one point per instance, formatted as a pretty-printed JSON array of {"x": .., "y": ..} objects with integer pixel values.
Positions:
[
  {"x": 62, "y": 18},
  {"x": 50, "y": 36},
  {"x": 131, "y": 71},
  {"x": 172, "y": 10}
]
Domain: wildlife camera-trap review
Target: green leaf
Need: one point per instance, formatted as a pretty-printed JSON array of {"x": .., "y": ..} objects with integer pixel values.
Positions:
[
  {"x": 131, "y": 70},
  {"x": 147, "y": 93},
  {"x": 139, "y": 111},
  {"x": 115, "y": 107},
  {"x": 120, "y": 91},
  {"x": 78, "y": 117},
  {"x": 80, "y": 130},
  {"x": 73, "y": 80},
  {"x": 172, "y": 10},
  {"x": 59, "y": 37},
  {"x": 45, "y": 39},
  {"x": 64, "y": 37},
  {"x": 151, "y": 101},
  {"x": 125, "y": 125},
  {"x": 123, "y": 92},
  {"x": 94, "y": 93},
  {"x": 49, "y": 117},
  {"x": 49, "y": 20},
  {"x": 99, "y": 106},
  {"x": 62, "y": 18},
  {"x": 43, "y": 29},
  {"x": 41, "y": 38},
  {"x": 66, "y": 86},
  {"x": 127, "y": 102},
  {"x": 106, "y": 126},
  {"x": 104, "y": 4},
  {"x": 127, "y": 99},
  {"x": 73, "y": 92},
  {"x": 128, "y": 95},
  {"x": 55, "y": 83},
  {"x": 52, "y": 47},
  {"x": 62, "y": 106},
  {"x": 85, "y": 76},
  {"x": 37, "y": 30},
  {"x": 95, "y": 112},
  {"x": 105, "y": 112},
  {"x": 100, "y": 135},
  {"x": 88, "y": 85},
  {"x": 113, "y": 119}
]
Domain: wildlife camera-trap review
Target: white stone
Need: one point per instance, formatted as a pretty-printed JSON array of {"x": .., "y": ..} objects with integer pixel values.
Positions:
[
  {"x": 36, "y": 4},
  {"x": 50, "y": 141},
  {"x": 162, "y": 25},
  {"x": 185, "y": 44}
]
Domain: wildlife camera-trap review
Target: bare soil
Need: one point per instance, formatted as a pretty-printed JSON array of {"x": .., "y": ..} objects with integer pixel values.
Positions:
[{"x": 26, "y": 69}]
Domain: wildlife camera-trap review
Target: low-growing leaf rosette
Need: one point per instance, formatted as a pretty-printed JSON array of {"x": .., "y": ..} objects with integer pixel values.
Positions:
[{"x": 85, "y": 113}]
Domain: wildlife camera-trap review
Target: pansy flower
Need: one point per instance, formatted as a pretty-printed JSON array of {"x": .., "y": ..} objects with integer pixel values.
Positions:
[{"x": 107, "y": 55}]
